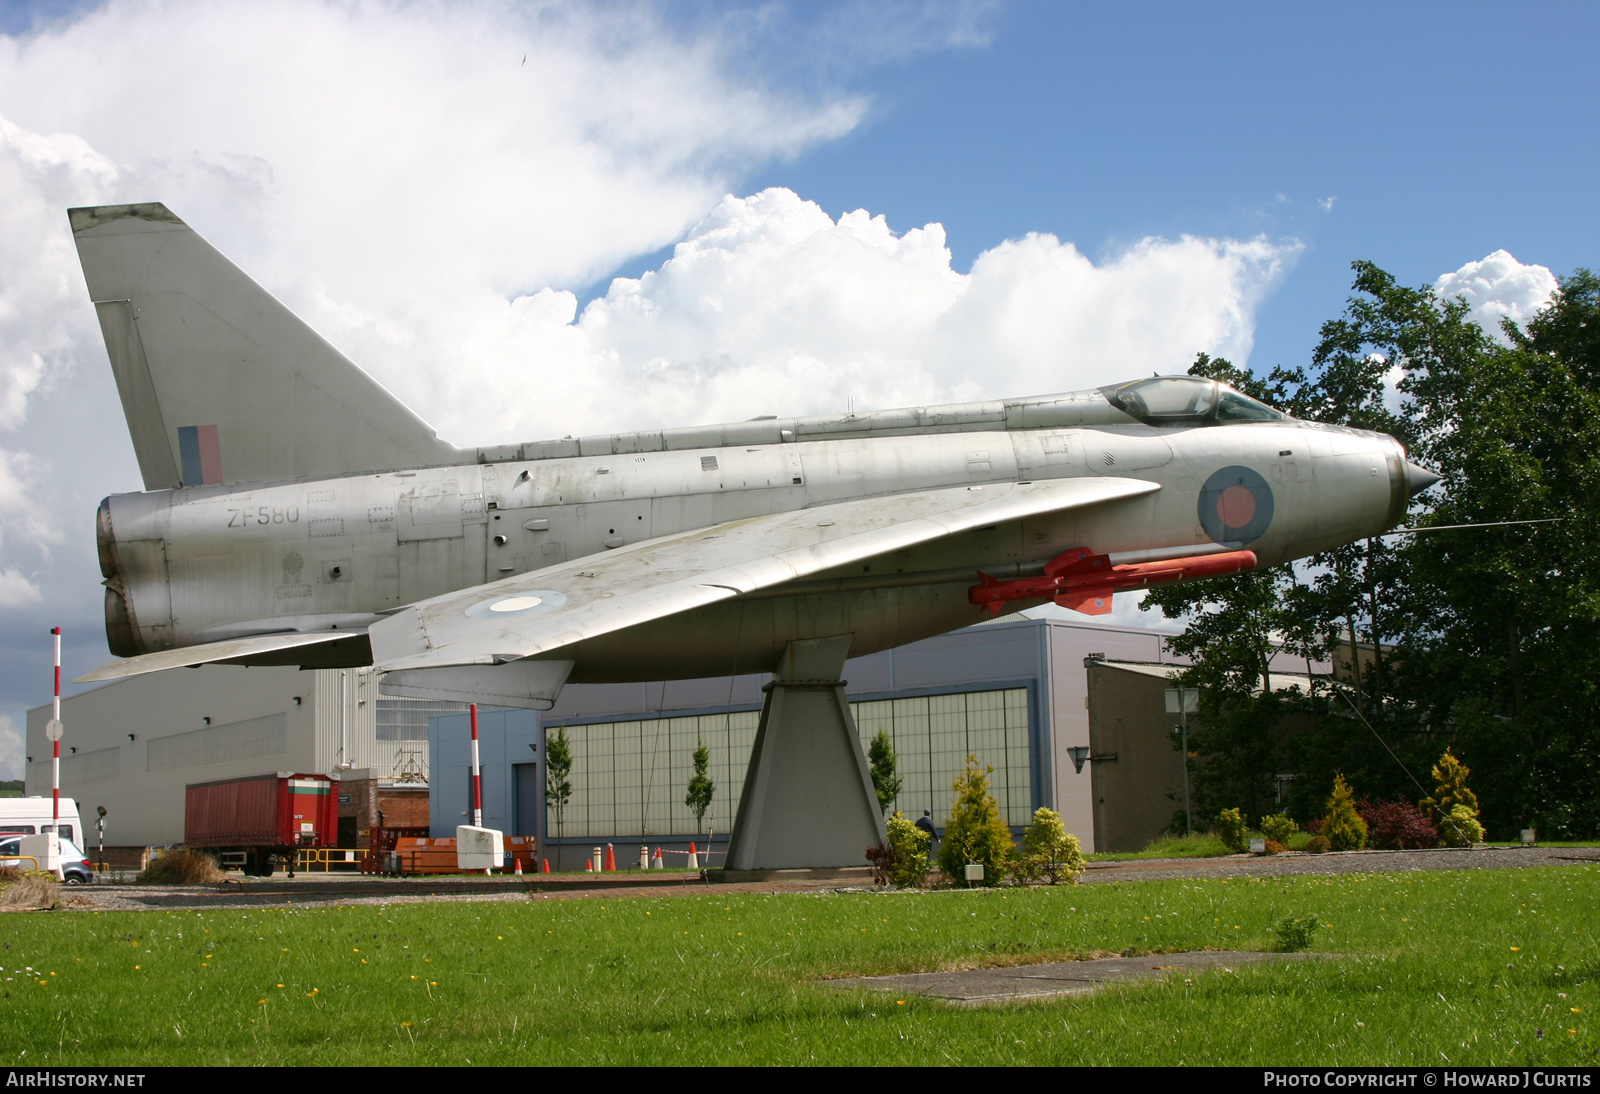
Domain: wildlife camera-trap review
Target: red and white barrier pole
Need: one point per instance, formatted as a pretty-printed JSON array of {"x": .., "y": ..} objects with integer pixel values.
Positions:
[
  {"x": 55, "y": 744},
  {"x": 477, "y": 777}
]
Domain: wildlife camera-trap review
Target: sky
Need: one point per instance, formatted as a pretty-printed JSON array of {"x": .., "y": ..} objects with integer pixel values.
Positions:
[{"x": 529, "y": 220}]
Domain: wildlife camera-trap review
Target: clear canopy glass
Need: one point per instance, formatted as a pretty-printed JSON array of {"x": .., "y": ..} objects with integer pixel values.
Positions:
[{"x": 1188, "y": 400}]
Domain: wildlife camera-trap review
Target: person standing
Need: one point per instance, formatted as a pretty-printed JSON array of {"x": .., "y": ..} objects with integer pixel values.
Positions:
[{"x": 925, "y": 822}]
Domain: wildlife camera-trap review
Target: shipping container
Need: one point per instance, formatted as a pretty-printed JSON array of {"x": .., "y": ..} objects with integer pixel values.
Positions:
[{"x": 261, "y": 818}]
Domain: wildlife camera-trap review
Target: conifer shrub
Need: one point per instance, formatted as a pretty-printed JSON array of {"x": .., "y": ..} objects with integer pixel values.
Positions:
[
  {"x": 1343, "y": 826},
  {"x": 1461, "y": 827},
  {"x": 1048, "y": 850},
  {"x": 1278, "y": 828},
  {"x": 1317, "y": 845},
  {"x": 1232, "y": 831},
  {"x": 1397, "y": 826},
  {"x": 977, "y": 833},
  {"x": 909, "y": 845},
  {"x": 1450, "y": 777}
]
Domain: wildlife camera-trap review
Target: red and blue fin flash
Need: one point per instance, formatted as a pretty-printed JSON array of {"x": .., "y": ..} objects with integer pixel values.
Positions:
[{"x": 200, "y": 455}]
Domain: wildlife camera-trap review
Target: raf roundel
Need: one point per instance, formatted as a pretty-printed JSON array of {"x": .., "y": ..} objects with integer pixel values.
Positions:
[
  {"x": 1235, "y": 506},
  {"x": 518, "y": 604}
]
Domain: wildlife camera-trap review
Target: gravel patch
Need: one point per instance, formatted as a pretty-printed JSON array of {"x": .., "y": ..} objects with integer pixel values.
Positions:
[
  {"x": 326, "y": 890},
  {"x": 1343, "y": 862}
]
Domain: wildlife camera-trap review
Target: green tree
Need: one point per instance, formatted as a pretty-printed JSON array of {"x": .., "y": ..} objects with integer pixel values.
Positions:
[
  {"x": 881, "y": 755},
  {"x": 1049, "y": 850},
  {"x": 1342, "y": 826},
  {"x": 557, "y": 769},
  {"x": 701, "y": 788},
  {"x": 976, "y": 833}
]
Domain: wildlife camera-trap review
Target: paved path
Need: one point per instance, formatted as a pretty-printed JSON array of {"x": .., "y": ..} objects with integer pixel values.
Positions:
[{"x": 976, "y": 987}]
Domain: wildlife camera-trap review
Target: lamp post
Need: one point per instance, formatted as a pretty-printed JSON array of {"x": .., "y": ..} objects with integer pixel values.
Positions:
[{"x": 1181, "y": 701}]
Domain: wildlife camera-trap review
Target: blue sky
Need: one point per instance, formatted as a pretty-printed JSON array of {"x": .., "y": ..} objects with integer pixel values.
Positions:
[
  {"x": 1442, "y": 131},
  {"x": 455, "y": 217}
]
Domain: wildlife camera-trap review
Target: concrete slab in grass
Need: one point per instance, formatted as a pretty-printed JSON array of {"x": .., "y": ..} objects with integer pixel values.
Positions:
[{"x": 1023, "y": 982}]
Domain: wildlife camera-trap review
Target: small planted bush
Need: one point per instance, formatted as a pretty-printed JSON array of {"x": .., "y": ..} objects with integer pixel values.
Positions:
[
  {"x": 1343, "y": 826},
  {"x": 1293, "y": 935},
  {"x": 1397, "y": 826},
  {"x": 1317, "y": 845},
  {"x": 1461, "y": 827},
  {"x": 1278, "y": 828},
  {"x": 908, "y": 845},
  {"x": 1232, "y": 831},
  {"x": 1454, "y": 807},
  {"x": 1049, "y": 850},
  {"x": 977, "y": 833}
]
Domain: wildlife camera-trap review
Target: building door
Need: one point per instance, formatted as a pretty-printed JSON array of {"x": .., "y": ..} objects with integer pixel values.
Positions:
[{"x": 527, "y": 806}]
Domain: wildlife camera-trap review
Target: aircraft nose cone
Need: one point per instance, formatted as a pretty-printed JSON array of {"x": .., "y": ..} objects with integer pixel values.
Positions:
[{"x": 1419, "y": 479}]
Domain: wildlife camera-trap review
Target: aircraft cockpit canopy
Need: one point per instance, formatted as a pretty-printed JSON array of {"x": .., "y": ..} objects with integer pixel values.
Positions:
[{"x": 1188, "y": 400}]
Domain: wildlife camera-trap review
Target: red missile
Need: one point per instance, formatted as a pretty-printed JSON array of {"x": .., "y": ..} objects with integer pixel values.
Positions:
[{"x": 1084, "y": 581}]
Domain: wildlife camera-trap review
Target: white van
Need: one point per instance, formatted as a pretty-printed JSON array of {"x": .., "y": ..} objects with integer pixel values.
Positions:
[{"x": 30, "y": 816}]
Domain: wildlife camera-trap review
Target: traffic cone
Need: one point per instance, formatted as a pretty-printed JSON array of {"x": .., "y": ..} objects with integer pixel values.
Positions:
[
  {"x": 546, "y": 867},
  {"x": 694, "y": 856},
  {"x": 588, "y": 867},
  {"x": 611, "y": 860},
  {"x": 517, "y": 863},
  {"x": 656, "y": 863}
]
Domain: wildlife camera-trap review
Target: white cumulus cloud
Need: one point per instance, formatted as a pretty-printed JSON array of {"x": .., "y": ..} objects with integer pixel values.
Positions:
[
  {"x": 1499, "y": 287},
  {"x": 772, "y": 306}
]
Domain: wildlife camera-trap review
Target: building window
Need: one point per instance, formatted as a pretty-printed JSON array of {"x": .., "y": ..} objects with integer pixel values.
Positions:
[
  {"x": 629, "y": 777},
  {"x": 407, "y": 719}
]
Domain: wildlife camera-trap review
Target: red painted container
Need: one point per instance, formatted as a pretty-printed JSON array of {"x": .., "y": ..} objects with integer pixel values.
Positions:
[{"x": 262, "y": 814}]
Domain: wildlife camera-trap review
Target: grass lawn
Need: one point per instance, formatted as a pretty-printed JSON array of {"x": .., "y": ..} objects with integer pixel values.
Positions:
[{"x": 1462, "y": 967}]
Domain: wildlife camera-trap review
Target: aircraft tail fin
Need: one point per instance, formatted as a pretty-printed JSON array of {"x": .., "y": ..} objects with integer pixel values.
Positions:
[{"x": 219, "y": 381}]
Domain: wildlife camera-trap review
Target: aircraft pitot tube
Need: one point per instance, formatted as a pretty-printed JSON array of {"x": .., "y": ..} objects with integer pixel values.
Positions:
[{"x": 1083, "y": 581}]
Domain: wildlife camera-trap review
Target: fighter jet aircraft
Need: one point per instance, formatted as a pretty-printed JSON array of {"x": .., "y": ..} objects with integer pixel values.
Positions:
[{"x": 297, "y": 513}]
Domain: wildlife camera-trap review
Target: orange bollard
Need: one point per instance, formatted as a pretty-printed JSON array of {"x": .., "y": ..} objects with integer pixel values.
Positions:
[
  {"x": 546, "y": 866},
  {"x": 611, "y": 860}
]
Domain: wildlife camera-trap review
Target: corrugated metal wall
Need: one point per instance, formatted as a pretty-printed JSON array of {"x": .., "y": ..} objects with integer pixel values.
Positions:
[{"x": 362, "y": 703}]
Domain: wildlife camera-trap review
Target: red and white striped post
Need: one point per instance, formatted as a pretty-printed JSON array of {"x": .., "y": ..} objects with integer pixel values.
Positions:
[
  {"x": 477, "y": 779},
  {"x": 55, "y": 745}
]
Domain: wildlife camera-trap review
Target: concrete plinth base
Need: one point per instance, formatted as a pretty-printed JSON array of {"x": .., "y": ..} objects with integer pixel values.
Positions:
[{"x": 808, "y": 801}]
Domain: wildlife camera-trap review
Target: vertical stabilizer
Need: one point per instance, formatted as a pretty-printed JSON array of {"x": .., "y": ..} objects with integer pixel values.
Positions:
[{"x": 219, "y": 381}]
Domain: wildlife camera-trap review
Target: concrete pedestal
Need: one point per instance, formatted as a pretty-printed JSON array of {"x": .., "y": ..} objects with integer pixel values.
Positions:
[{"x": 808, "y": 800}]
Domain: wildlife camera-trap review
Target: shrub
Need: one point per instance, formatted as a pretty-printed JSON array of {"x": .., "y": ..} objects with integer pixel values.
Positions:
[
  {"x": 1278, "y": 828},
  {"x": 1294, "y": 935},
  {"x": 1318, "y": 845},
  {"x": 182, "y": 867},
  {"x": 909, "y": 845},
  {"x": 1275, "y": 848},
  {"x": 1231, "y": 830},
  {"x": 976, "y": 832},
  {"x": 1450, "y": 777},
  {"x": 881, "y": 859},
  {"x": 1397, "y": 826},
  {"x": 1461, "y": 827},
  {"x": 1343, "y": 826},
  {"x": 1314, "y": 826},
  {"x": 1049, "y": 850}
]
